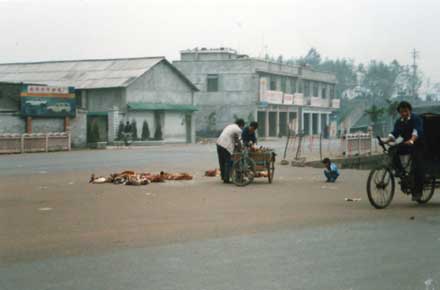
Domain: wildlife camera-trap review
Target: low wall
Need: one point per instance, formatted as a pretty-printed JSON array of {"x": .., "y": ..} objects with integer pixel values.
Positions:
[
  {"x": 37, "y": 142},
  {"x": 13, "y": 123},
  {"x": 356, "y": 162}
]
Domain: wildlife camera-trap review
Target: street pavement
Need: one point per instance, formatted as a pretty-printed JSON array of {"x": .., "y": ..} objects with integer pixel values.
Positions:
[{"x": 59, "y": 232}]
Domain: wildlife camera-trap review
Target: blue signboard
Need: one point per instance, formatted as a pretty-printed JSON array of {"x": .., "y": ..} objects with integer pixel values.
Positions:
[{"x": 48, "y": 101}]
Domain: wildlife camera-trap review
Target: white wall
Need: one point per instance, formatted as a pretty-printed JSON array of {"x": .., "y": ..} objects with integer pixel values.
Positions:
[
  {"x": 175, "y": 127},
  {"x": 161, "y": 84}
]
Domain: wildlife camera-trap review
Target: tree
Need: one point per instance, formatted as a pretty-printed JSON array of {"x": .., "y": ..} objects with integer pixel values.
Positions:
[
  {"x": 158, "y": 132},
  {"x": 280, "y": 59},
  {"x": 312, "y": 58},
  {"x": 380, "y": 81},
  {"x": 134, "y": 134},
  {"x": 375, "y": 114},
  {"x": 345, "y": 72},
  {"x": 145, "y": 131},
  {"x": 121, "y": 127}
]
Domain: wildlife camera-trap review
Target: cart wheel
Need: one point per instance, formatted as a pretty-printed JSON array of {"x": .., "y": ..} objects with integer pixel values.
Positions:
[
  {"x": 380, "y": 187},
  {"x": 243, "y": 171},
  {"x": 428, "y": 191},
  {"x": 270, "y": 171}
]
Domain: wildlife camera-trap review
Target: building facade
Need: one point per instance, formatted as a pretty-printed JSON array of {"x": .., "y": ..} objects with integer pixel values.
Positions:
[
  {"x": 119, "y": 90},
  {"x": 277, "y": 95}
]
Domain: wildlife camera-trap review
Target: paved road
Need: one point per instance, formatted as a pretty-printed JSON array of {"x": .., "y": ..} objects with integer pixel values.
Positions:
[
  {"x": 298, "y": 233},
  {"x": 384, "y": 255}
]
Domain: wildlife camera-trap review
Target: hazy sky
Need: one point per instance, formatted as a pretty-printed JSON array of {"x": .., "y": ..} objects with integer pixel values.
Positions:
[{"x": 359, "y": 29}]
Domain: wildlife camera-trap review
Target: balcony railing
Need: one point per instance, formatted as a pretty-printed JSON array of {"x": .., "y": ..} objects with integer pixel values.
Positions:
[{"x": 297, "y": 99}]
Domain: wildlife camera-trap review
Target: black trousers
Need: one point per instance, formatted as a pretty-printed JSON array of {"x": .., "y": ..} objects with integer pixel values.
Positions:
[
  {"x": 416, "y": 152},
  {"x": 224, "y": 160}
]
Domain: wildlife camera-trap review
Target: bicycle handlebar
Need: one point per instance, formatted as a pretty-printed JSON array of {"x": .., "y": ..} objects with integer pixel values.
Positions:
[{"x": 381, "y": 143}]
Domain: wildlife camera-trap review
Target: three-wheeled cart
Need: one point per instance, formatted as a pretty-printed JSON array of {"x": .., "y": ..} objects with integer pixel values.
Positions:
[{"x": 250, "y": 164}]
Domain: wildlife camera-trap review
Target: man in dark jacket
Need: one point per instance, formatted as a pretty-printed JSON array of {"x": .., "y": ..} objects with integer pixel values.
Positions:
[
  {"x": 409, "y": 127},
  {"x": 248, "y": 136}
]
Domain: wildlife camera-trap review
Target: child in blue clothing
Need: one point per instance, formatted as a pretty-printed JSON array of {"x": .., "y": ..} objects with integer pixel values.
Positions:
[{"x": 331, "y": 171}]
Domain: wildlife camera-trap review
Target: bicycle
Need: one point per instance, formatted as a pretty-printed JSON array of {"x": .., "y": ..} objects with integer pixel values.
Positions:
[{"x": 381, "y": 180}]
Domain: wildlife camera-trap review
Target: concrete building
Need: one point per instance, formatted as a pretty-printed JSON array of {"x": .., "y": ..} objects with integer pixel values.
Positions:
[
  {"x": 113, "y": 90},
  {"x": 276, "y": 95}
]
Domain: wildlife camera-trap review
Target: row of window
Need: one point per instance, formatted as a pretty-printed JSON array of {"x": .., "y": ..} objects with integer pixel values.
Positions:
[{"x": 309, "y": 88}]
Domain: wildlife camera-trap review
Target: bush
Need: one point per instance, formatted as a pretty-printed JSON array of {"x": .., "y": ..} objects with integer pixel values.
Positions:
[
  {"x": 120, "y": 135},
  {"x": 134, "y": 134},
  {"x": 158, "y": 132},
  {"x": 145, "y": 131}
]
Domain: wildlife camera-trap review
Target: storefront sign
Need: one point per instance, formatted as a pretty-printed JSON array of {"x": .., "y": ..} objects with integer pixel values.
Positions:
[{"x": 288, "y": 99}]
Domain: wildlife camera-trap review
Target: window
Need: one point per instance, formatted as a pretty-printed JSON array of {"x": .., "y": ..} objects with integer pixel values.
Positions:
[
  {"x": 283, "y": 84},
  {"x": 273, "y": 84},
  {"x": 212, "y": 83},
  {"x": 324, "y": 91},
  {"x": 315, "y": 89},
  {"x": 300, "y": 86},
  {"x": 306, "y": 88},
  {"x": 332, "y": 91},
  {"x": 293, "y": 86}
]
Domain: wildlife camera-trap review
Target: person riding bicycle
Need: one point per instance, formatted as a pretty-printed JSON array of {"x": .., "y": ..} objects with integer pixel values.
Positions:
[{"x": 409, "y": 127}]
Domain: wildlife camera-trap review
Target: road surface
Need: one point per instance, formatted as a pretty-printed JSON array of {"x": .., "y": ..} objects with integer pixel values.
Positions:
[{"x": 59, "y": 232}]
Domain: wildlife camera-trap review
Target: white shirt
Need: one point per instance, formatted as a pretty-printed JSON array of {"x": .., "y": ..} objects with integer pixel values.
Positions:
[{"x": 228, "y": 136}]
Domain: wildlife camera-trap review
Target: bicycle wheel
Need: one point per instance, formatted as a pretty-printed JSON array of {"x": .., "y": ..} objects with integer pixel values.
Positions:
[
  {"x": 380, "y": 187},
  {"x": 243, "y": 171},
  {"x": 428, "y": 191}
]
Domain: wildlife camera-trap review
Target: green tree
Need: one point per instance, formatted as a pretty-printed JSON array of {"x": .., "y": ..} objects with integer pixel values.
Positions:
[
  {"x": 380, "y": 81},
  {"x": 158, "y": 132},
  {"x": 120, "y": 135},
  {"x": 134, "y": 134},
  {"x": 145, "y": 131},
  {"x": 375, "y": 114}
]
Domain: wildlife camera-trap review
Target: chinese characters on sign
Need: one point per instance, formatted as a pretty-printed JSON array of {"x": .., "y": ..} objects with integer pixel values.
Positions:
[{"x": 47, "y": 101}]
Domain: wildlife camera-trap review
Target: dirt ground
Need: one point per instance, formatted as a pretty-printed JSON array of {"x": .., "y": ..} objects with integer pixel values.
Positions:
[{"x": 61, "y": 214}]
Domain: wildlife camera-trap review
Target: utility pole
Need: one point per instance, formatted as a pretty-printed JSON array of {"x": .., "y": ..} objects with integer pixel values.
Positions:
[{"x": 415, "y": 56}]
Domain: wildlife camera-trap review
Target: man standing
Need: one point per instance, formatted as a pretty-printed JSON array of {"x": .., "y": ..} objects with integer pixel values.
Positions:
[
  {"x": 410, "y": 128},
  {"x": 248, "y": 136},
  {"x": 229, "y": 138}
]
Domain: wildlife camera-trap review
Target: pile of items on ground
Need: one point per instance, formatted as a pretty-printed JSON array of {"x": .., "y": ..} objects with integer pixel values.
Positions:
[{"x": 132, "y": 178}]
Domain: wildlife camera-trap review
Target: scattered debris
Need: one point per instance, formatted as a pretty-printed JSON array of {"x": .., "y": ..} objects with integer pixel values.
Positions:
[
  {"x": 352, "y": 199},
  {"x": 43, "y": 187},
  {"x": 45, "y": 208},
  {"x": 132, "y": 178},
  {"x": 42, "y": 172},
  {"x": 213, "y": 172},
  {"x": 71, "y": 183},
  {"x": 412, "y": 218}
]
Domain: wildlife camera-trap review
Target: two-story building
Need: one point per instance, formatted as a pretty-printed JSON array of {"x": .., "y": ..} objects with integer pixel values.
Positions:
[{"x": 277, "y": 95}]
